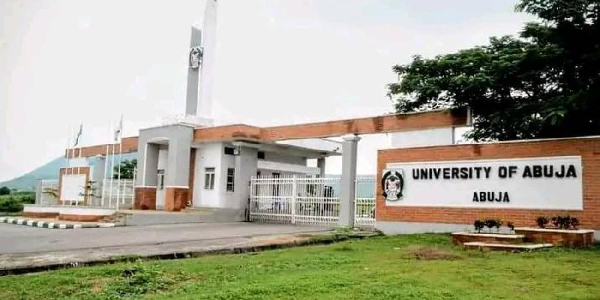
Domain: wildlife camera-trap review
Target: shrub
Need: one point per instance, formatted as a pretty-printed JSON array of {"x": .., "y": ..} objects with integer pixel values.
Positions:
[
  {"x": 478, "y": 224},
  {"x": 542, "y": 221},
  {"x": 561, "y": 222},
  {"x": 574, "y": 223},
  {"x": 28, "y": 199},
  {"x": 498, "y": 224},
  {"x": 10, "y": 204},
  {"x": 490, "y": 223}
]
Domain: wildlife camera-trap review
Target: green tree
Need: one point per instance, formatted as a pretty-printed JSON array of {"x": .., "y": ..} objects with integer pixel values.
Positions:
[
  {"x": 4, "y": 191},
  {"x": 543, "y": 83},
  {"x": 127, "y": 169}
]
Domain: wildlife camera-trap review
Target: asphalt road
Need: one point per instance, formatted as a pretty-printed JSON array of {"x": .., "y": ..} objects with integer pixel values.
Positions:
[{"x": 19, "y": 239}]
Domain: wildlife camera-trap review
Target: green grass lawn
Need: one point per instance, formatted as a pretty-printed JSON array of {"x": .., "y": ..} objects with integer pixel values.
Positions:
[{"x": 399, "y": 267}]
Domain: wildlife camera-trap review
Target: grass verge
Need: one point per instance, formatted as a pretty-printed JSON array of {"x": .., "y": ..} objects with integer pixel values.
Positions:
[{"x": 399, "y": 267}]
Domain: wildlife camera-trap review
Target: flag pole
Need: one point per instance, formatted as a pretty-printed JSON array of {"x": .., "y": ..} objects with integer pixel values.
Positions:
[
  {"x": 120, "y": 159},
  {"x": 67, "y": 157},
  {"x": 105, "y": 171},
  {"x": 78, "y": 162},
  {"x": 112, "y": 169},
  {"x": 79, "y": 135}
]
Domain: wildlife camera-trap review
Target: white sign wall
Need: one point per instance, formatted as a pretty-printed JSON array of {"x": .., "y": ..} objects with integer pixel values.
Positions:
[
  {"x": 553, "y": 183},
  {"x": 72, "y": 187}
]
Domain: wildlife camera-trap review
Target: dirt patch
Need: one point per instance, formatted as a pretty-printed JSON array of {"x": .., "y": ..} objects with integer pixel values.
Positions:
[
  {"x": 279, "y": 240},
  {"x": 97, "y": 287},
  {"x": 428, "y": 253}
]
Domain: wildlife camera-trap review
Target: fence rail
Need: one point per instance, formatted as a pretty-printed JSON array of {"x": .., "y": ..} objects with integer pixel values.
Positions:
[
  {"x": 305, "y": 200},
  {"x": 115, "y": 193},
  {"x": 111, "y": 193}
]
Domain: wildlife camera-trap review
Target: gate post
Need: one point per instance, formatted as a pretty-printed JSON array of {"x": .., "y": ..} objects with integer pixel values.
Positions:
[
  {"x": 294, "y": 192},
  {"x": 348, "y": 181}
]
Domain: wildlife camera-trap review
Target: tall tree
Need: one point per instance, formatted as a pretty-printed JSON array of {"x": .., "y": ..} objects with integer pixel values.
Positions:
[
  {"x": 4, "y": 191},
  {"x": 543, "y": 83},
  {"x": 127, "y": 169}
]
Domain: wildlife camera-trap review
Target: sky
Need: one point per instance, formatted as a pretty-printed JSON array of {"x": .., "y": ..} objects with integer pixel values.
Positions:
[{"x": 278, "y": 62}]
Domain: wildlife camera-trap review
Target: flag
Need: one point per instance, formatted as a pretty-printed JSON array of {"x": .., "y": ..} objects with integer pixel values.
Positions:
[
  {"x": 119, "y": 131},
  {"x": 78, "y": 136}
]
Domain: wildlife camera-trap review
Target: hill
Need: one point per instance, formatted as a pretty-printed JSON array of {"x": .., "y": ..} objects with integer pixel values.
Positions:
[{"x": 27, "y": 182}]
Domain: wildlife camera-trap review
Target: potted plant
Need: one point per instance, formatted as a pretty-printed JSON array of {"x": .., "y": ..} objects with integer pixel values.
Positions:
[
  {"x": 542, "y": 221},
  {"x": 498, "y": 224},
  {"x": 490, "y": 223},
  {"x": 478, "y": 224},
  {"x": 574, "y": 223}
]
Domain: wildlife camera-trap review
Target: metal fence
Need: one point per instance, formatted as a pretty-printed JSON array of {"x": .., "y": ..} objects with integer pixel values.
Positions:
[
  {"x": 306, "y": 200},
  {"x": 364, "y": 202},
  {"x": 115, "y": 193},
  {"x": 112, "y": 193}
]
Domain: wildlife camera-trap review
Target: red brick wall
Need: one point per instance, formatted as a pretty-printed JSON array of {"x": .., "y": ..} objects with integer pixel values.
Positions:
[
  {"x": 129, "y": 145},
  {"x": 587, "y": 148},
  {"x": 371, "y": 125}
]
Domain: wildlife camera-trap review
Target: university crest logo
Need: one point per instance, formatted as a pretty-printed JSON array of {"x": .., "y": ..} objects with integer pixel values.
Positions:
[{"x": 392, "y": 184}]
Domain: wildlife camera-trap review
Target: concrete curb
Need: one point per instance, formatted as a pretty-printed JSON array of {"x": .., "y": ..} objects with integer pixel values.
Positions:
[{"x": 51, "y": 225}]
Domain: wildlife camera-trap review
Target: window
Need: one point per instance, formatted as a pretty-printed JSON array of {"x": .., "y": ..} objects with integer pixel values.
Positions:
[
  {"x": 261, "y": 155},
  {"x": 161, "y": 178},
  {"x": 209, "y": 178},
  {"x": 229, "y": 150},
  {"x": 230, "y": 179}
]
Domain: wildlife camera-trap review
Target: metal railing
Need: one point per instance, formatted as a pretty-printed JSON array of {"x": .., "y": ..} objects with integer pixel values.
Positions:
[
  {"x": 364, "y": 202},
  {"x": 307, "y": 200},
  {"x": 115, "y": 193}
]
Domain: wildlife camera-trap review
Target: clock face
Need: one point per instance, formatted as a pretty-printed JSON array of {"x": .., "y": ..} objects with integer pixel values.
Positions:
[{"x": 195, "y": 57}]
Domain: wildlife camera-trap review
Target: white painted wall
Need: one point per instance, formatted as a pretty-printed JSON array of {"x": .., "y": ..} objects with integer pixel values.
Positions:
[
  {"x": 72, "y": 187},
  {"x": 226, "y": 199},
  {"x": 207, "y": 156},
  {"x": 422, "y": 138},
  {"x": 552, "y": 193},
  {"x": 283, "y": 157},
  {"x": 212, "y": 155},
  {"x": 163, "y": 157}
]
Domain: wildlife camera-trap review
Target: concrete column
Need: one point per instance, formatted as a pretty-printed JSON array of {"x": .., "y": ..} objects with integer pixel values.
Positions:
[
  {"x": 191, "y": 102},
  {"x": 178, "y": 168},
  {"x": 349, "y": 154},
  {"x": 148, "y": 161},
  {"x": 145, "y": 189},
  {"x": 179, "y": 139},
  {"x": 245, "y": 167},
  {"x": 321, "y": 166}
]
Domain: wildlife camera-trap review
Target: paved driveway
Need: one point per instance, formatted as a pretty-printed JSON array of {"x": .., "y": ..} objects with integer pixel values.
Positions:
[
  {"x": 24, "y": 248},
  {"x": 24, "y": 239}
]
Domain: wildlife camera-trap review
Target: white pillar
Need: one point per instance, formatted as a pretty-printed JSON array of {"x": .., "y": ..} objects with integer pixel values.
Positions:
[
  {"x": 347, "y": 195},
  {"x": 321, "y": 166}
]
